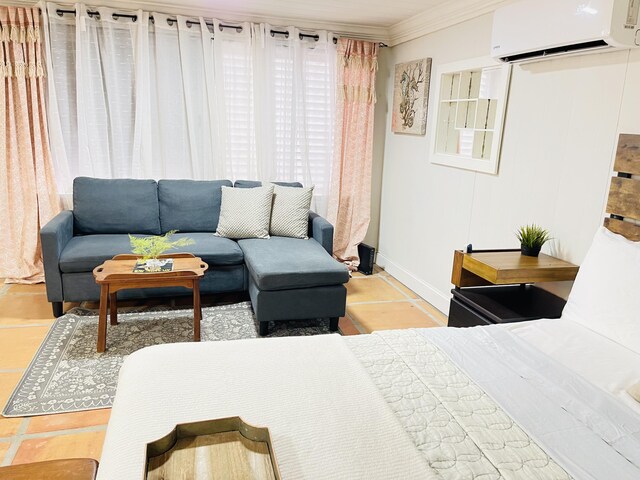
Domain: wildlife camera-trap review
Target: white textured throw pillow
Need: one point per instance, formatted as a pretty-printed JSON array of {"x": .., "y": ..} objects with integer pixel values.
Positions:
[
  {"x": 245, "y": 212},
  {"x": 605, "y": 295},
  {"x": 290, "y": 213}
]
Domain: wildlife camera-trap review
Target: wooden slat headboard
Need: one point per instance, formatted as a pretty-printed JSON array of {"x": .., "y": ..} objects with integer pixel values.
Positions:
[{"x": 624, "y": 193}]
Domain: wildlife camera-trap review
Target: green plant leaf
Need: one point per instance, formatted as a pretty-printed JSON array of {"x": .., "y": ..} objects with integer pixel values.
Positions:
[
  {"x": 532, "y": 236},
  {"x": 153, "y": 246}
]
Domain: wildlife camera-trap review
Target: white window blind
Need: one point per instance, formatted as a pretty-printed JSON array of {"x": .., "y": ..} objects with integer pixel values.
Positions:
[{"x": 233, "y": 56}]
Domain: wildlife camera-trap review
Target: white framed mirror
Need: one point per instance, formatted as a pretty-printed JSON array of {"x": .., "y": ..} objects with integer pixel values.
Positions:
[{"x": 469, "y": 115}]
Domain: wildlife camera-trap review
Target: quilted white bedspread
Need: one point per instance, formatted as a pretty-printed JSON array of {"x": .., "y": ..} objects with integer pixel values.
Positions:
[
  {"x": 480, "y": 403},
  {"x": 438, "y": 403},
  {"x": 458, "y": 428}
]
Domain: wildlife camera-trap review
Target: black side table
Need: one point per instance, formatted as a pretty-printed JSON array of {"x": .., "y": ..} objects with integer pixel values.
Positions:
[{"x": 490, "y": 305}]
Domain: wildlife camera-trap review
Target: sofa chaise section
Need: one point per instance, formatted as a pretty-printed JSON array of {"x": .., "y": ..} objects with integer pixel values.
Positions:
[{"x": 292, "y": 278}]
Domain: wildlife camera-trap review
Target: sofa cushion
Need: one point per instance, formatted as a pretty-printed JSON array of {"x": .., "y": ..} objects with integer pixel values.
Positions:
[
  {"x": 257, "y": 183},
  {"x": 115, "y": 206},
  {"x": 190, "y": 205},
  {"x": 280, "y": 263},
  {"x": 84, "y": 253},
  {"x": 213, "y": 250}
]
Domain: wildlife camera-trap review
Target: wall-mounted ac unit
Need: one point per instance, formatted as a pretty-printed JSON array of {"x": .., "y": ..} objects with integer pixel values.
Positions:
[{"x": 537, "y": 29}]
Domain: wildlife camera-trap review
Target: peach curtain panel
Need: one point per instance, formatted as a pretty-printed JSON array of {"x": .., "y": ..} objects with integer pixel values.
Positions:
[
  {"x": 28, "y": 196},
  {"x": 350, "y": 198}
]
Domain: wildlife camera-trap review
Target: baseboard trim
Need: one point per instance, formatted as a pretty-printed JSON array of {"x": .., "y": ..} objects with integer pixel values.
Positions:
[{"x": 425, "y": 290}]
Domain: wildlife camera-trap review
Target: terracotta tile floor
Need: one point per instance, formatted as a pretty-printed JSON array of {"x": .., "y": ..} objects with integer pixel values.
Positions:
[
  {"x": 374, "y": 302},
  {"x": 4, "y": 446}
]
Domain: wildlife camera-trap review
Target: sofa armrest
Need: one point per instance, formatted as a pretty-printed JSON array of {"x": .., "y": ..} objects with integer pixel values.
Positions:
[
  {"x": 321, "y": 231},
  {"x": 54, "y": 236}
]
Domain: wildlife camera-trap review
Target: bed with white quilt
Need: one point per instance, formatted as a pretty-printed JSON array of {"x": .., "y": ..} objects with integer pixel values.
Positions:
[{"x": 546, "y": 399}]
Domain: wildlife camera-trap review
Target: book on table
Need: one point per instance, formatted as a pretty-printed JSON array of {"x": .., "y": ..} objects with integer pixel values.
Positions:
[{"x": 153, "y": 265}]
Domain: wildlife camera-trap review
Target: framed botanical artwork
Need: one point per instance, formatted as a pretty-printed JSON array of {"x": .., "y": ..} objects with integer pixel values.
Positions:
[
  {"x": 468, "y": 120},
  {"x": 411, "y": 97}
]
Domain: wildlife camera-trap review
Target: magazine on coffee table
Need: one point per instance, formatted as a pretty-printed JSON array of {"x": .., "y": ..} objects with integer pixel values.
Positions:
[{"x": 154, "y": 266}]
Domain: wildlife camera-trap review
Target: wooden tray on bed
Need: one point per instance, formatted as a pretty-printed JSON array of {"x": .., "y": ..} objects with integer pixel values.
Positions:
[{"x": 224, "y": 448}]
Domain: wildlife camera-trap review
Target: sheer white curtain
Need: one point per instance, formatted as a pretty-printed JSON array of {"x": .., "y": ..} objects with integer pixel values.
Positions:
[
  {"x": 297, "y": 97},
  {"x": 188, "y": 98}
]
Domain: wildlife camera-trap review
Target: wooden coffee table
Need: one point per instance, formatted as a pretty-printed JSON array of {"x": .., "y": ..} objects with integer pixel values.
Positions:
[{"x": 117, "y": 274}]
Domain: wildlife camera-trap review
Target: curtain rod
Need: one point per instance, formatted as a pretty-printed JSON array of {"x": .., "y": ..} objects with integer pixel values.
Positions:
[{"x": 190, "y": 23}]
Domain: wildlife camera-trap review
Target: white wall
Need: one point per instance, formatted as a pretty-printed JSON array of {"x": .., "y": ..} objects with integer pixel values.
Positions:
[
  {"x": 379, "y": 129},
  {"x": 562, "y": 122}
]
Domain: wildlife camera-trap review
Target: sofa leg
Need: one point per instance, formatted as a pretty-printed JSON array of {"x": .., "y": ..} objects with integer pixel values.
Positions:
[
  {"x": 264, "y": 328},
  {"x": 57, "y": 309},
  {"x": 333, "y": 324}
]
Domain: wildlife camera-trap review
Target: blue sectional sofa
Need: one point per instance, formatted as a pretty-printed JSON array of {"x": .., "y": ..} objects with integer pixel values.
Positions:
[{"x": 286, "y": 278}]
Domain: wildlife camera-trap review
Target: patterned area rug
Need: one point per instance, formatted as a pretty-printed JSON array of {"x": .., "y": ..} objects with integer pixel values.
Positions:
[{"x": 68, "y": 375}]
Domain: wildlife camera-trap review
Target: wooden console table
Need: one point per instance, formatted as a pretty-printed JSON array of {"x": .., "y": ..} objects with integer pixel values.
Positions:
[
  {"x": 117, "y": 274},
  {"x": 516, "y": 300}
]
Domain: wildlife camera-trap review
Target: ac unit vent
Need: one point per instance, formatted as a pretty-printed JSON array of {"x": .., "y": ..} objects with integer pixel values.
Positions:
[{"x": 576, "y": 47}]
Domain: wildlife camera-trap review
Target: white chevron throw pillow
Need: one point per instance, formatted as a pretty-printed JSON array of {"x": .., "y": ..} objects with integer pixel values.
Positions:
[
  {"x": 245, "y": 212},
  {"x": 290, "y": 213}
]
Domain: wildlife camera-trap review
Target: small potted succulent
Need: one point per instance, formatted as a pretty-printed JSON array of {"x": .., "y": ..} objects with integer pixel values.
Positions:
[
  {"x": 151, "y": 248},
  {"x": 532, "y": 238}
]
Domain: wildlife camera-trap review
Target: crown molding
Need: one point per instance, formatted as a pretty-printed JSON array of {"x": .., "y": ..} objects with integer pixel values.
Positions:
[
  {"x": 365, "y": 32},
  {"x": 444, "y": 15}
]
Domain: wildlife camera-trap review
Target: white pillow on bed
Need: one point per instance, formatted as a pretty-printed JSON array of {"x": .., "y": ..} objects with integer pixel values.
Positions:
[{"x": 606, "y": 294}]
